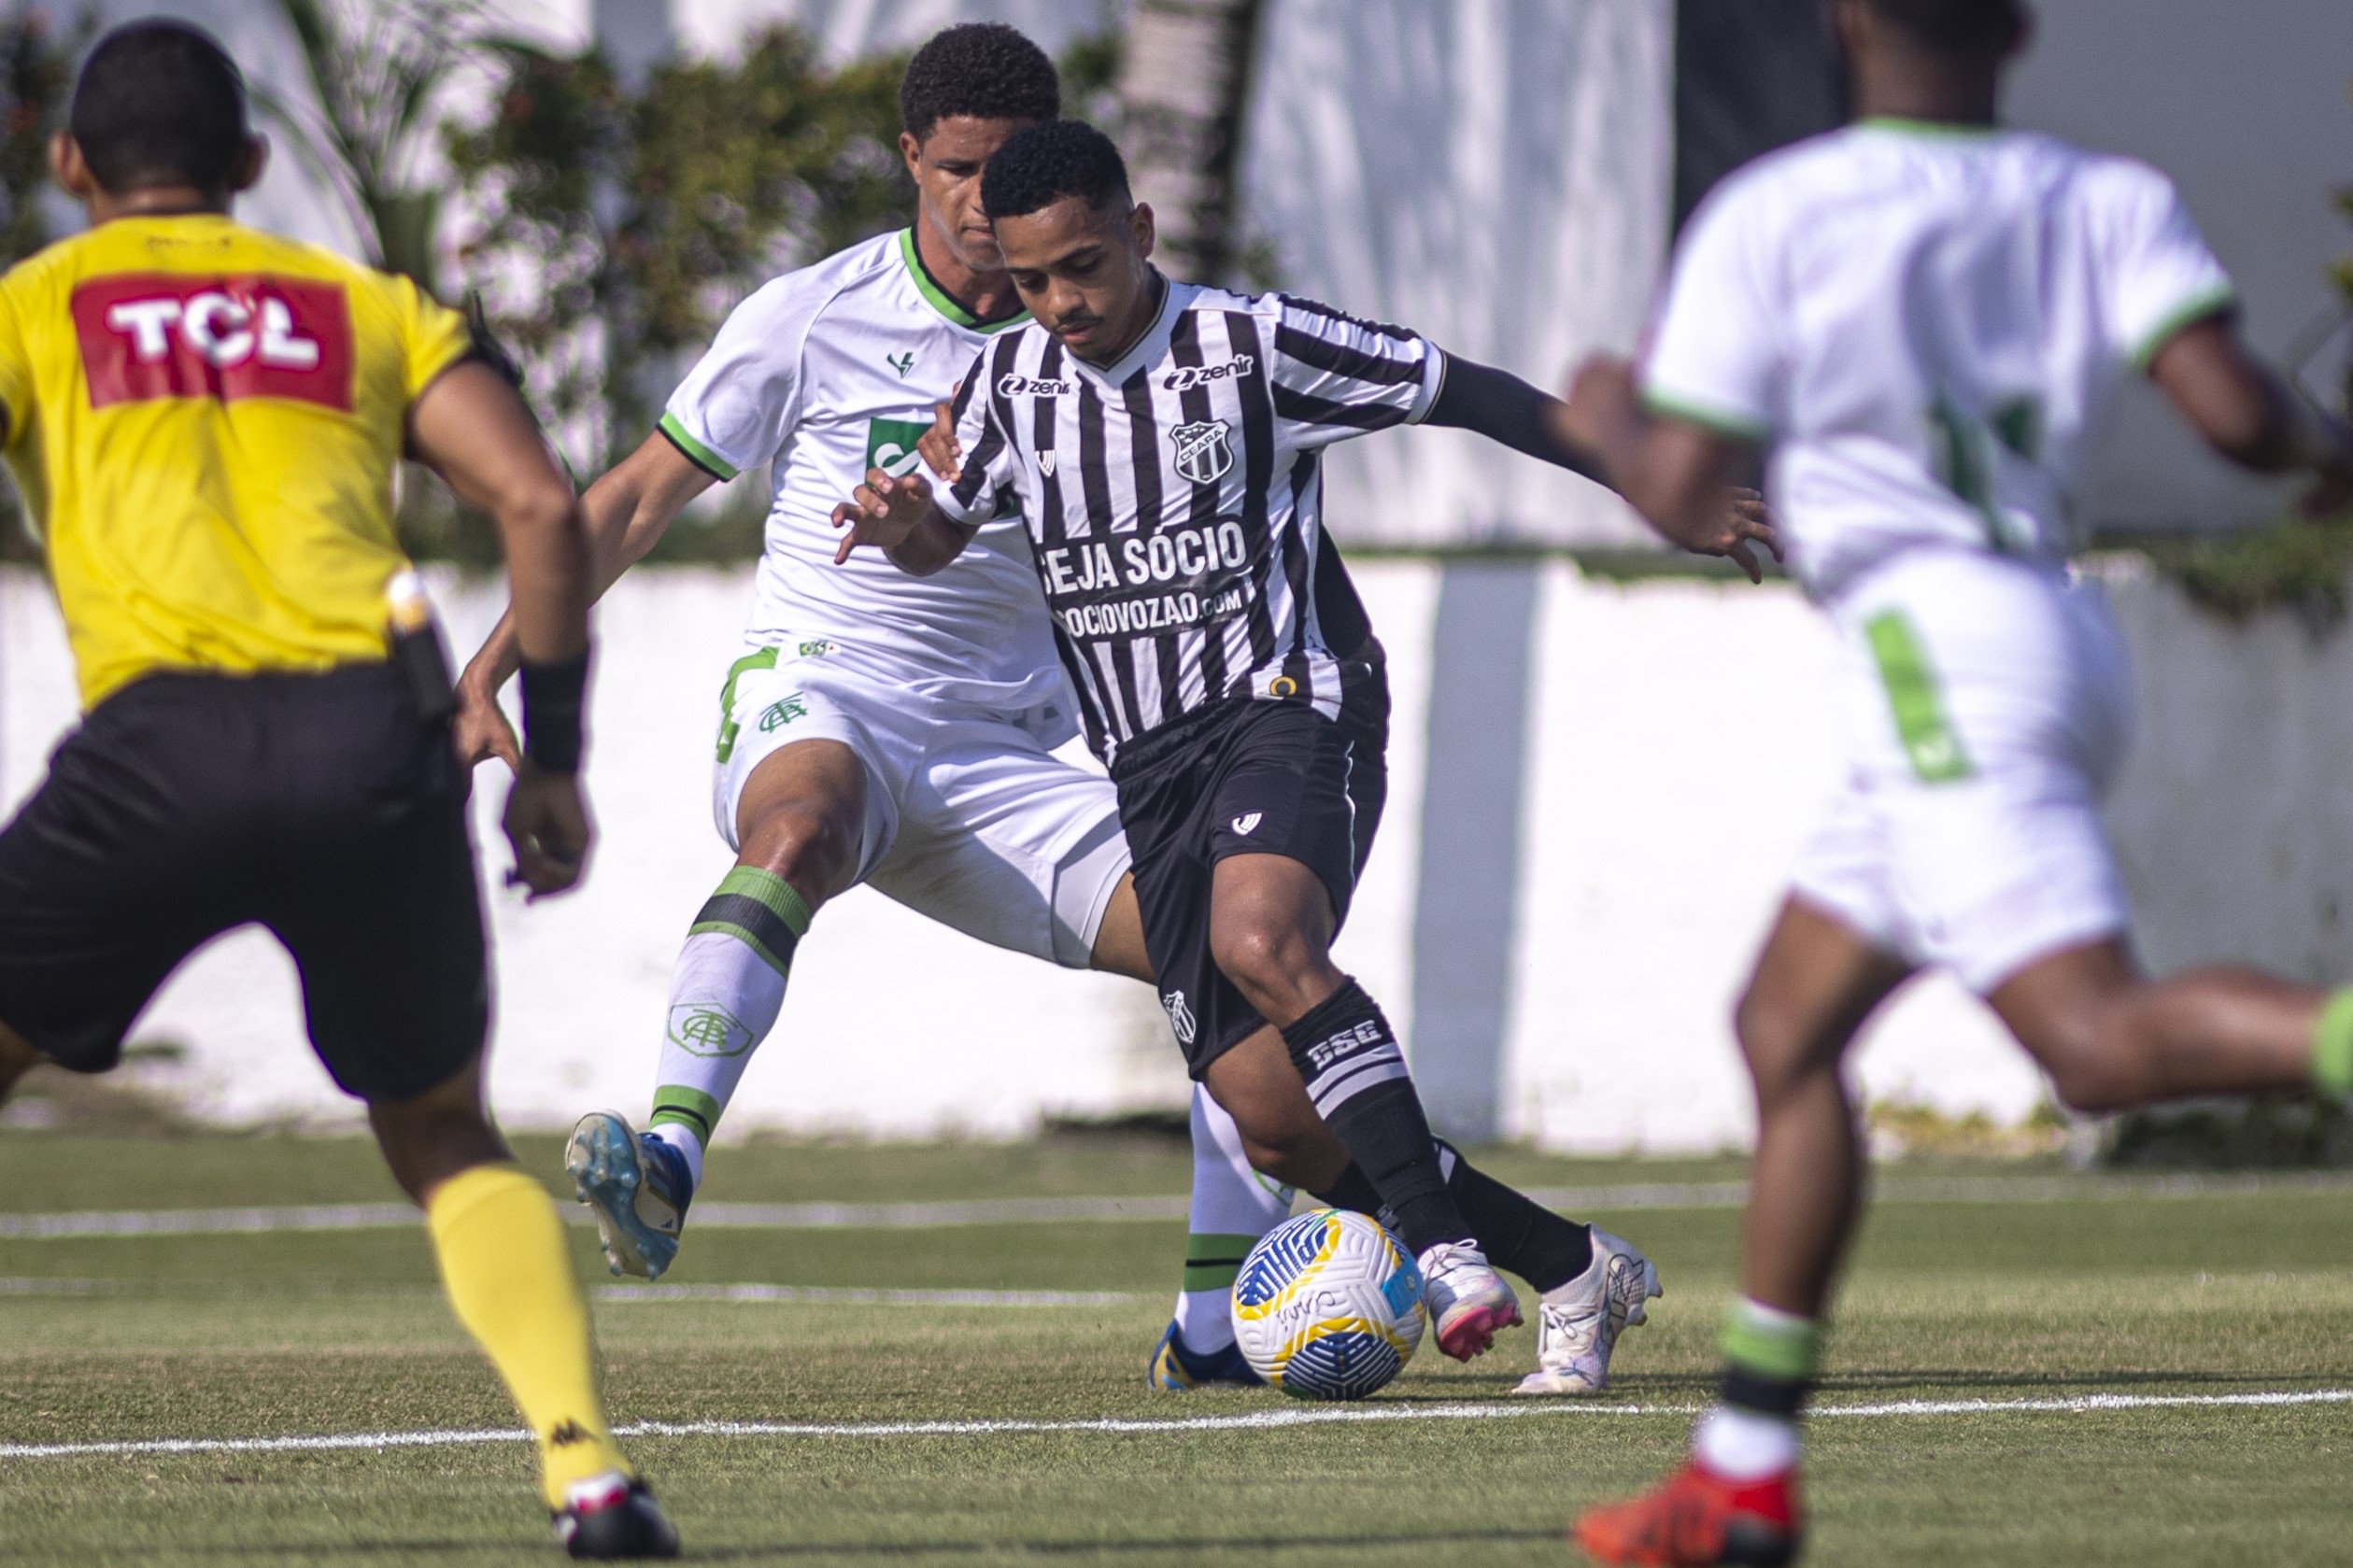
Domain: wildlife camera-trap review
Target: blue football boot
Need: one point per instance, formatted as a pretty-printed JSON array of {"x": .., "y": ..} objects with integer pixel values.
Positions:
[
  {"x": 1175, "y": 1369},
  {"x": 638, "y": 1188}
]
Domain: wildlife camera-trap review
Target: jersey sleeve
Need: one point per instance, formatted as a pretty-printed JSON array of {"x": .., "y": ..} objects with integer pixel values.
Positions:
[
  {"x": 1715, "y": 355},
  {"x": 1335, "y": 376},
  {"x": 734, "y": 409},
  {"x": 16, "y": 360},
  {"x": 433, "y": 336},
  {"x": 987, "y": 474},
  {"x": 2160, "y": 275}
]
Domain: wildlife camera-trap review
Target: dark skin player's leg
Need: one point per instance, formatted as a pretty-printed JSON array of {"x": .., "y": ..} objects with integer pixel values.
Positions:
[
  {"x": 803, "y": 817},
  {"x": 1254, "y": 1081},
  {"x": 2110, "y": 1038},
  {"x": 1815, "y": 984}
]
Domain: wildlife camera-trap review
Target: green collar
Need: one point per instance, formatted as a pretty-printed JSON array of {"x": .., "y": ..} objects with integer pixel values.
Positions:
[
  {"x": 941, "y": 300},
  {"x": 1943, "y": 130}
]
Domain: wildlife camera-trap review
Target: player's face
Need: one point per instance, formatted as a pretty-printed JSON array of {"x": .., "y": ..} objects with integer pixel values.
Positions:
[
  {"x": 946, "y": 169},
  {"x": 1083, "y": 274}
]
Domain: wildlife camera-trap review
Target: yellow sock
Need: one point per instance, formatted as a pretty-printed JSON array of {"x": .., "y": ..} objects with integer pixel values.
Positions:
[{"x": 510, "y": 1281}]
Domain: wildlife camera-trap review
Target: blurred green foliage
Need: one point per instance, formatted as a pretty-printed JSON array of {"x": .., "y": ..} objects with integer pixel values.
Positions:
[
  {"x": 618, "y": 227},
  {"x": 376, "y": 70}
]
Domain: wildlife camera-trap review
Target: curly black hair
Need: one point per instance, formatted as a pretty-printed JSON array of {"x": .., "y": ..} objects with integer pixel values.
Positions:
[
  {"x": 160, "y": 103},
  {"x": 984, "y": 69},
  {"x": 1965, "y": 26},
  {"x": 1042, "y": 163}
]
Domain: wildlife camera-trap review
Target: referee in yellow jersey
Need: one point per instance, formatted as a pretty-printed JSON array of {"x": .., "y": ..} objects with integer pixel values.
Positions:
[{"x": 205, "y": 422}]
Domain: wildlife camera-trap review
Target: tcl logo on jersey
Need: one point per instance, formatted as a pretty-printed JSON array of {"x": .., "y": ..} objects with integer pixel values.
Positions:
[{"x": 168, "y": 335}]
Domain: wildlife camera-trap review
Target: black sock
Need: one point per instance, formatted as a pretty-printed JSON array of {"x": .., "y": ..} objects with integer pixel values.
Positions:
[
  {"x": 1348, "y": 1055},
  {"x": 1513, "y": 1230},
  {"x": 1762, "y": 1395},
  {"x": 1353, "y": 1191}
]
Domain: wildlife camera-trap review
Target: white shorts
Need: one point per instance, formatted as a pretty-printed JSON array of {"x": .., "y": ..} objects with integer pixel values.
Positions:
[
  {"x": 969, "y": 819},
  {"x": 1987, "y": 704}
]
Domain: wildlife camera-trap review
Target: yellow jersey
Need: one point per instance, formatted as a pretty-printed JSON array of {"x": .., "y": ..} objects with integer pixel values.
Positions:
[{"x": 207, "y": 421}]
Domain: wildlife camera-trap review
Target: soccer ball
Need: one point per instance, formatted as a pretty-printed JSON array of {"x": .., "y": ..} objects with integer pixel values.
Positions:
[{"x": 1329, "y": 1305}]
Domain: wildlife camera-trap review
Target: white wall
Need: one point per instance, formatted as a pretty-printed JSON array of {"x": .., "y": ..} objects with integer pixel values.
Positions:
[{"x": 1677, "y": 745}]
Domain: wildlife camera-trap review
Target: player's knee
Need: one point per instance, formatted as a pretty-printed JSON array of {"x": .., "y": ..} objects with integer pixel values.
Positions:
[
  {"x": 809, "y": 849},
  {"x": 1273, "y": 965},
  {"x": 2089, "y": 1053},
  {"x": 1776, "y": 1041}
]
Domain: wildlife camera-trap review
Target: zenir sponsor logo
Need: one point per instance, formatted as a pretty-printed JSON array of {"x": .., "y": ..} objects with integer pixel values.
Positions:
[
  {"x": 1248, "y": 823},
  {"x": 1184, "y": 380},
  {"x": 1203, "y": 455},
  {"x": 1012, "y": 385},
  {"x": 904, "y": 362}
]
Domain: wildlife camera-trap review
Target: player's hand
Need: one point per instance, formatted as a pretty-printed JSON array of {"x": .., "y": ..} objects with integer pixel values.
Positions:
[
  {"x": 480, "y": 729},
  {"x": 546, "y": 822},
  {"x": 883, "y": 512},
  {"x": 942, "y": 454},
  {"x": 1747, "y": 521}
]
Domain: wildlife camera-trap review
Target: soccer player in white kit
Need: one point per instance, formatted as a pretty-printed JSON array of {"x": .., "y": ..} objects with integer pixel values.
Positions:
[
  {"x": 1917, "y": 322},
  {"x": 869, "y": 733}
]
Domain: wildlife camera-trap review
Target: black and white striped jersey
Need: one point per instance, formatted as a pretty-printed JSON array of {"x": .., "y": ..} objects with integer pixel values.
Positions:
[{"x": 1175, "y": 499}]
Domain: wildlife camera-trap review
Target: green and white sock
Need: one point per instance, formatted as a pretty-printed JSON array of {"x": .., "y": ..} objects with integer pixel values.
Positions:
[
  {"x": 1770, "y": 1358},
  {"x": 725, "y": 993},
  {"x": 1233, "y": 1205}
]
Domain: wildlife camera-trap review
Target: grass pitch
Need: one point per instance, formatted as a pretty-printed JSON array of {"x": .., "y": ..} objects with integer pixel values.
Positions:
[{"x": 302, "y": 1335}]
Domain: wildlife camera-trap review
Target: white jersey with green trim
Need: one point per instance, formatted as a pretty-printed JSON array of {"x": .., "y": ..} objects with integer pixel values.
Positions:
[
  {"x": 824, "y": 372},
  {"x": 1924, "y": 325}
]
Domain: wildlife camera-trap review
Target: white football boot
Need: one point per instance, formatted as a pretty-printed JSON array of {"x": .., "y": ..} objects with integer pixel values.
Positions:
[
  {"x": 1578, "y": 1323},
  {"x": 1468, "y": 1300}
]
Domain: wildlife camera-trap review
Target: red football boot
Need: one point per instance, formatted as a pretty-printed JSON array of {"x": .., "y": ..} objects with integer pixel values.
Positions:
[{"x": 1694, "y": 1520}]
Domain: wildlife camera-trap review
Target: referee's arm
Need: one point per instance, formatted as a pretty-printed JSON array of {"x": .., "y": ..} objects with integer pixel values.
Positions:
[{"x": 472, "y": 428}]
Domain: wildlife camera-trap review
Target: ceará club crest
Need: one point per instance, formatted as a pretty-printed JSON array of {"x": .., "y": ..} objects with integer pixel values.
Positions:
[{"x": 1203, "y": 453}]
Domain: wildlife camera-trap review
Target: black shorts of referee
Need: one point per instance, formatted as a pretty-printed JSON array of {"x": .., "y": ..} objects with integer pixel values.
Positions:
[
  {"x": 1247, "y": 776},
  {"x": 321, "y": 807}
]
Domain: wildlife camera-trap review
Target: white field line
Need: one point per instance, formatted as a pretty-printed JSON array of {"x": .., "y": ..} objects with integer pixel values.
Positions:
[
  {"x": 1256, "y": 1420},
  {"x": 862, "y": 1297},
  {"x": 1008, "y": 1211},
  {"x": 821, "y": 1294}
]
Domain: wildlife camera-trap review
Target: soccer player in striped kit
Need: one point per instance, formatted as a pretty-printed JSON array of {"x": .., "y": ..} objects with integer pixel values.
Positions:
[{"x": 1164, "y": 443}]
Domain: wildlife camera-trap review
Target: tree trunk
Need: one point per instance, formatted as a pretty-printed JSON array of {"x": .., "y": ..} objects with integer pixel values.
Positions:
[{"x": 1183, "y": 85}]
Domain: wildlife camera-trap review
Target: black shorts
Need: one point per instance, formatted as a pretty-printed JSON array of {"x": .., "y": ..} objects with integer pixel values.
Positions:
[
  {"x": 1245, "y": 777},
  {"x": 322, "y": 807}
]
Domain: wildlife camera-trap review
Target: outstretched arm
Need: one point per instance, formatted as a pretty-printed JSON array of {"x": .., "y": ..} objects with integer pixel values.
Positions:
[
  {"x": 627, "y": 511},
  {"x": 1676, "y": 473},
  {"x": 1502, "y": 407},
  {"x": 2249, "y": 413}
]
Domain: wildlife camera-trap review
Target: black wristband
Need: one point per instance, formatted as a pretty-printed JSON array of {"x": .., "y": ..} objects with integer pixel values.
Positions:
[{"x": 553, "y": 696}]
